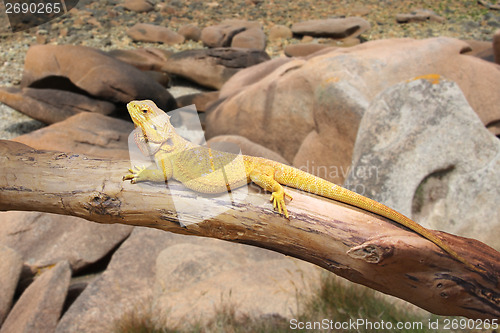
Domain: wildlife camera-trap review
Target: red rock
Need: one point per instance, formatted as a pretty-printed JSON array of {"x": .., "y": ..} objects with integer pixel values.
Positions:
[
  {"x": 481, "y": 49},
  {"x": 200, "y": 100},
  {"x": 50, "y": 105},
  {"x": 250, "y": 39},
  {"x": 139, "y": 6},
  {"x": 420, "y": 15},
  {"x": 288, "y": 99},
  {"x": 302, "y": 50},
  {"x": 280, "y": 98},
  {"x": 245, "y": 78},
  {"x": 11, "y": 264},
  {"x": 39, "y": 307},
  {"x": 144, "y": 32},
  {"x": 332, "y": 28},
  {"x": 221, "y": 35},
  {"x": 77, "y": 68},
  {"x": 279, "y": 32},
  {"x": 128, "y": 281},
  {"x": 146, "y": 59},
  {"x": 246, "y": 146},
  {"x": 190, "y": 32},
  {"x": 160, "y": 77},
  {"x": 32, "y": 235},
  {"x": 85, "y": 133},
  {"x": 213, "y": 67}
]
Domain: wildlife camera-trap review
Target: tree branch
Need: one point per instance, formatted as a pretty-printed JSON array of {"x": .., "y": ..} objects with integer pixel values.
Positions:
[{"x": 360, "y": 246}]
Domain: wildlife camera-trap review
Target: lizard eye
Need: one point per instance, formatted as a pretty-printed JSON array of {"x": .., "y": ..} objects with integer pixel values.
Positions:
[{"x": 144, "y": 110}]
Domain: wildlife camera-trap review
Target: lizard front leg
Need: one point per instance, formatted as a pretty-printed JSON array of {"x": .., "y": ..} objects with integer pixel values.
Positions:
[
  {"x": 264, "y": 177},
  {"x": 142, "y": 174}
]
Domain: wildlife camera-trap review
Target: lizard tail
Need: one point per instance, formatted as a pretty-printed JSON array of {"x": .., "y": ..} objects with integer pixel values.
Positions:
[{"x": 304, "y": 181}]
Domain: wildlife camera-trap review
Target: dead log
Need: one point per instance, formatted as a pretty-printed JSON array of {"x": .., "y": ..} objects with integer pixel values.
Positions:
[{"x": 355, "y": 244}]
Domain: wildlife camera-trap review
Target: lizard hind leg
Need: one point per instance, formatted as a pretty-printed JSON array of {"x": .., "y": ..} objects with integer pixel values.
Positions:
[{"x": 265, "y": 179}]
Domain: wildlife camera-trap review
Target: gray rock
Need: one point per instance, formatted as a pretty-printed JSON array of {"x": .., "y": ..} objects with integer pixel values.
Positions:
[
  {"x": 423, "y": 151},
  {"x": 213, "y": 67},
  {"x": 51, "y": 105},
  {"x": 126, "y": 286},
  {"x": 44, "y": 239},
  {"x": 77, "y": 68},
  {"x": 90, "y": 134},
  {"x": 11, "y": 264},
  {"x": 333, "y": 28},
  {"x": 39, "y": 307}
]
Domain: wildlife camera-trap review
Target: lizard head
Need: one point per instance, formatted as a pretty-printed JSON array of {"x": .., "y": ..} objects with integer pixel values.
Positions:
[{"x": 155, "y": 123}]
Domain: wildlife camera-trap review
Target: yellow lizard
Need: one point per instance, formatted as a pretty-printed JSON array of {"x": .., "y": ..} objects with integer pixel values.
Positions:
[{"x": 195, "y": 167}]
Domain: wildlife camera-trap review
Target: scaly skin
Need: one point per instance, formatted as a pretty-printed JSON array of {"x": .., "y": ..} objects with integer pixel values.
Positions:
[{"x": 200, "y": 169}]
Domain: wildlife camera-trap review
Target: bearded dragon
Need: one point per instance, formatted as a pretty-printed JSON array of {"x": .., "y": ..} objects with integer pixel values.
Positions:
[{"x": 204, "y": 170}]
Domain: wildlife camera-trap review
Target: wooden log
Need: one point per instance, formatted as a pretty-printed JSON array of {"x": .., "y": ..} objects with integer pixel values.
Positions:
[{"x": 355, "y": 244}]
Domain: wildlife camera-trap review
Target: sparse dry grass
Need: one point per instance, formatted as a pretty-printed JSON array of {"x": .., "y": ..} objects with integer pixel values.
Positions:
[{"x": 333, "y": 300}]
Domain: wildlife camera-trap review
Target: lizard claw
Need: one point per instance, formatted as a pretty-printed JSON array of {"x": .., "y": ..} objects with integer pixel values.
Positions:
[
  {"x": 278, "y": 200},
  {"x": 135, "y": 174}
]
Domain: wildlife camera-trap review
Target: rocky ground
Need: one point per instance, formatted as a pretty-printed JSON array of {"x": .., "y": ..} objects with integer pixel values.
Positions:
[
  {"x": 103, "y": 25},
  {"x": 442, "y": 119}
]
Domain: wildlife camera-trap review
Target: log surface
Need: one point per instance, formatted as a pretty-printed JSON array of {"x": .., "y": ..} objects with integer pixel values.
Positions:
[{"x": 360, "y": 246}]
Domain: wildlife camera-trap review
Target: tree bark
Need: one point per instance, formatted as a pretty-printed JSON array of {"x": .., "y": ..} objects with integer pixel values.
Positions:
[{"x": 360, "y": 246}]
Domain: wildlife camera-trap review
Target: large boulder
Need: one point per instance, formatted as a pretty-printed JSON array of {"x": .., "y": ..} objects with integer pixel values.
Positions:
[
  {"x": 333, "y": 28},
  {"x": 51, "y": 105},
  {"x": 213, "y": 67},
  {"x": 221, "y": 35},
  {"x": 423, "y": 151},
  {"x": 11, "y": 264},
  {"x": 281, "y": 109},
  {"x": 90, "y": 134},
  {"x": 39, "y": 307},
  {"x": 44, "y": 239},
  {"x": 247, "y": 147},
  {"x": 174, "y": 280},
  {"x": 250, "y": 39},
  {"x": 125, "y": 287},
  {"x": 221, "y": 276},
  {"x": 90, "y": 71},
  {"x": 146, "y": 59}
]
